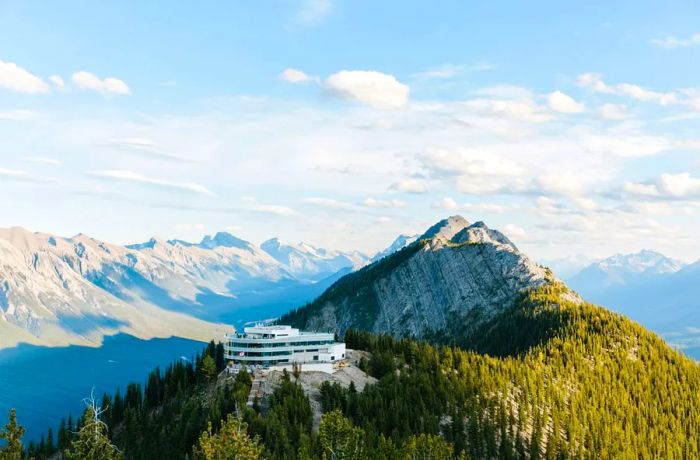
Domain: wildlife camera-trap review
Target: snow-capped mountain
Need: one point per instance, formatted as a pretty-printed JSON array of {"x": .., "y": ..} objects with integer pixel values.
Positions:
[
  {"x": 399, "y": 243},
  {"x": 308, "y": 262},
  {"x": 659, "y": 292},
  {"x": 60, "y": 291},
  {"x": 621, "y": 269}
]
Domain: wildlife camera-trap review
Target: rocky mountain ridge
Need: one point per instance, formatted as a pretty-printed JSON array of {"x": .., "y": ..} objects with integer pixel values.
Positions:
[
  {"x": 61, "y": 291},
  {"x": 455, "y": 277}
]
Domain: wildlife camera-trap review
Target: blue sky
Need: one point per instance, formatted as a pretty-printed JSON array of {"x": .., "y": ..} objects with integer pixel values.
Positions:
[{"x": 344, "y": 123}]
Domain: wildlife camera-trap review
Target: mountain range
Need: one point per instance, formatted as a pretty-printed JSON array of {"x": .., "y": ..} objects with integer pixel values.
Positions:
[
  {"x": 60, "y": 291},
  {"x": 469, "y": 339},
  {"x": 659, "y": 292}
]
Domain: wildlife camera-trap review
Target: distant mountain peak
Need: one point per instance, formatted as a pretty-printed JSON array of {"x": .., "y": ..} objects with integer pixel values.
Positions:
[
  {"x": 399, "y": 243},
  {"x": 223, "y": 239},
  {"x": 646, "y": 260},
  {"x": 150, "y": 244},
  {"x": 446, "y": 228},
  {"x": 308, "y": 261}
]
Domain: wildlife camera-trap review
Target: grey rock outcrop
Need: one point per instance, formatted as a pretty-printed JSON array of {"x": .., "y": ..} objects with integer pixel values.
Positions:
[{"x": 456, "y": 277}]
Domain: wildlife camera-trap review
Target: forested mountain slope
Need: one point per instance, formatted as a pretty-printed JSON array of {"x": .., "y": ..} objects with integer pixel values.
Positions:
[{"x": 536, "y": 373}]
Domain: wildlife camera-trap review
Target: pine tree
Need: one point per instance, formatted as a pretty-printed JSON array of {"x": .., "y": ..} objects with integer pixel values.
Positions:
[
  {"x": 62, "y": 435},
  {"x": 209, "y": 368},
  {"x": 426, "y": 447},
  {"x": 230, "y": 443},
  {"x": 50, "y": 448},
  {"x": 340, "y": 439},
  {"x": 12, "y": 435},
  {"x": 92, "y": 442}
]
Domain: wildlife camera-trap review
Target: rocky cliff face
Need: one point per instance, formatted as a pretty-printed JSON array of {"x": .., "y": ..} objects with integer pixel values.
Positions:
[{"x": 455, "y": 277}]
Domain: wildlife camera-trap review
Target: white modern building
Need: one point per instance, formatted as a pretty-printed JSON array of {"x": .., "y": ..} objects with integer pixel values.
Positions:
[{"x": 272, "y": 346}]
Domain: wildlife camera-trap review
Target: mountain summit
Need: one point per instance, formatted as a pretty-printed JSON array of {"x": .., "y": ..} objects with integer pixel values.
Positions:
[
  {"x": 225, "y": 240},
  {"x": 309, "y": 262},
  {"x": 452, "y": 280}
]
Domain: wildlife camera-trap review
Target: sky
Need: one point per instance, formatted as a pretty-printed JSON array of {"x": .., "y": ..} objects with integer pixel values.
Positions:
[{"x": 572, "y": 128}]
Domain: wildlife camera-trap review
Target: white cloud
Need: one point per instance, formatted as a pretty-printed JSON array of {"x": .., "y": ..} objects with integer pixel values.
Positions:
[
  {"x": 409, "y": 186},
  {"x": 505, "y": 92},
  {"x": 253, "y": 205},
  {"x": 626, "y": 146},
  {"x": 514, "y": 231},
  {"x": 42, "y": 160},
  {"x": 666, "y": 186},
  {"x": 376, "y": 89},
  {"x": 547, "y": 205},
  {"x": 18, "y": 176},
  {"x": 675, "y": 42},
  {"x": 563, "y": 103},
  {"x": 16, "y": 78},
  {"x": 567, "y": 183},
  {"x": 147, "y": 148},
  {"x": 12, "y": 173},
  {"x": 613, "y": 111},
  {"x": 482, "y": 66},
  {"x": 679, "y": 185},
  {"x": 451, "y": 70},
  {"x": 296, "y": 76},
  {"x": 110, "y": 85},
  {"x": 375, "y": 203},
  {"x": 57, "y": 81},
  {"x": 329, "y": 203},
  {"x": 585, "y": 204},
  {"x": 272, "y": 209},
  {"x": 595, "y": 82},
  {"x": 640, "y": 189},
  {"x": 313, "y": 11},
  {"x": 130, "y": 176},
  {"x": 643, "y": 94},
  {"x": 461, "y": 161},
  {"x": 563, "y": 182},
  {"x": 17, "y": 114},
  {"x": 189, "y": 227},
  {"x": 443, "y": 71},
  {"x": 450, "y": 205},
  {"x": 516, "y": 109}
]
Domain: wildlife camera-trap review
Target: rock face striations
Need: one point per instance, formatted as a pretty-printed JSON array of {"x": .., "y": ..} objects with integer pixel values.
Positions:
[{"x": 452, "y": 280}]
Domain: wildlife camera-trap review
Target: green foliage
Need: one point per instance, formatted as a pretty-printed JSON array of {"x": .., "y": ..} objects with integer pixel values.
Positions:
[
  {"x": 92, "y": 442},
  {"x": 11, "y": 435},
  {"x": 552, "y": 377},
  {"x": 209, "y": 368},
  {"x": 340, "y": 439},
  {"x": 426, "y": 447},
  {"x": 231, "y": 442},
  {"x": 286, "y": 425},
  {"x": 568, "y": 379}
]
